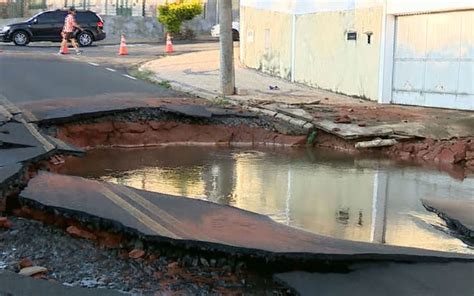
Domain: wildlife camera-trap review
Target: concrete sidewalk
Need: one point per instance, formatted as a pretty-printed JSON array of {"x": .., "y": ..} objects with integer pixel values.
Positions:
[{"x": 198, "y": 74}]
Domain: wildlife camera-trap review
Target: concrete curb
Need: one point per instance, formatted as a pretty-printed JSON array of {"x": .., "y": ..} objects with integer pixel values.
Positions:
[
  {"x": 307, "y": 126},
  {"x": 156, "y": 41}
]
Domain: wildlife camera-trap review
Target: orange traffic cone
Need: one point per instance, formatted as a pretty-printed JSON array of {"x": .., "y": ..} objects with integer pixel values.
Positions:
[
  {"x": 169, "y": 44},
  {"x": 64, "y": 49},
  {"x": 123, "y": 47}
]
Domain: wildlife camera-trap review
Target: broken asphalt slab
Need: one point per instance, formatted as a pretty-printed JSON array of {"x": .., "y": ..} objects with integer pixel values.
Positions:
[
  {"x": 388, "y": 279},
  {"x": 65, "y": 148},
  {"x": 352, "y": 131},
  {"x": 56, "y": 110},
  {"x": 22, "y": 134},
  {"x": 441, "y": 125},
  {"x": 19, "y": 155},
  {"x": 434, "y": 129},
  {"x": 8, "y": 106},
  {"x": 197, "y": 223},
  {"x": 296, "y": 113},
  {"x": 15, "y": 155},
  {"x": 458, "y": 214},
  {"x": 229, "y": 112},
  {"x": 18, "y": 285},
  {"x": 22, "y": 142},
  {"x": 5, "y": 116},
  {"x": 202, "y": 111},
  {"x": 188, "y": 110},
  {"x": 9, "y": 172}
]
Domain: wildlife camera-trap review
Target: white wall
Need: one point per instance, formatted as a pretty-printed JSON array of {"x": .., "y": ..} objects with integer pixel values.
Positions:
[
  {"x": 309, "y": 6},
  {"x": 325, "y": 59},
  {"x": 393, "y": 6},
  {"x": 418, "y": 6},
  {"x": 385, "y": 39}
]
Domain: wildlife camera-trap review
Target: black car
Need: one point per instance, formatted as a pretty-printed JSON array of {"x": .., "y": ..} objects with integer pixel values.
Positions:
[{"x": 47, "y": 26}]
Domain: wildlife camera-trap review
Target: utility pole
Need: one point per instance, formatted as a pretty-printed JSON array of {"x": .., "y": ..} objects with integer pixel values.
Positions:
[{"x": 227, "y": 74}]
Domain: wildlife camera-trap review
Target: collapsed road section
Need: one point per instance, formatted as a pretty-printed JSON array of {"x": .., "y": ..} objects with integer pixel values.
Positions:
[{"x": 192, "y": 232}]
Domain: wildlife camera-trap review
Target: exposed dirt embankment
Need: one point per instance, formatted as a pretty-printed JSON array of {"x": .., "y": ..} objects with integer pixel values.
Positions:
[
  {"x": 459, "y": 151},
  {"x": 152, "y": 133},
  {"x": 453, "y": 156},
  {"x": 135, "y": 130}
]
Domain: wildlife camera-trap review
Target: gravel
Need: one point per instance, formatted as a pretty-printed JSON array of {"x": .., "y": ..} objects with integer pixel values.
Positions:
[{"x": 78, "y": 262}]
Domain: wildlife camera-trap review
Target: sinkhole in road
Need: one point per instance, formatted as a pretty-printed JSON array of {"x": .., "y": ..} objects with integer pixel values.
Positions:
[{"x": 321, "y": 191}]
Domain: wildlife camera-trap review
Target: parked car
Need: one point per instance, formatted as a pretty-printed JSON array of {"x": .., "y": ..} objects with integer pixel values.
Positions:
[
  {"x": 215, "y": 31},
  {"x": 47, "y": 26}
]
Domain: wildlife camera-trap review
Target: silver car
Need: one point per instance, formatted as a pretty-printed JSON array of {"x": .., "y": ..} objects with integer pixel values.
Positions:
[{"x": 215, "y": 31}]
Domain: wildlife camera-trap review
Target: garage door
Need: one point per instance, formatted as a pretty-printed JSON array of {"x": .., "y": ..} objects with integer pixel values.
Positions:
[{"x": 434, "y": 60}]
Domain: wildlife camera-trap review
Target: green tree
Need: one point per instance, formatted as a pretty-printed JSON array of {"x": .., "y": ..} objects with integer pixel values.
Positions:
[{"x": 172, "y": 15}]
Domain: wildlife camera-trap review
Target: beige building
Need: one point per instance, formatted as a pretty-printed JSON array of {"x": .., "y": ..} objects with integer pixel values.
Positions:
[
  {"x": 120, "y": 7},
  {"x": 108, "y": 7},
  {"x": 391, "y": 51}
]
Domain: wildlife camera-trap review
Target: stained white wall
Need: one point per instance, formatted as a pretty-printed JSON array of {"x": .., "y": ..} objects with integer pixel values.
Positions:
[
  {"x": 309, "y": 6},
  {"x": 373, "y": 81},
  {"x": 418, "y": 6},
  {"x": 393, "y": 6},
  {"x": 325, "y": 59}
]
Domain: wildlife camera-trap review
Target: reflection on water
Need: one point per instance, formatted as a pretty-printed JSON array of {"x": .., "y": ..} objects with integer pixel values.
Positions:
[{"x": 318, "y": 190}]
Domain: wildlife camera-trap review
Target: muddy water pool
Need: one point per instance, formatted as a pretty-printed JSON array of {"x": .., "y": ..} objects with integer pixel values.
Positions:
[{"x": 321, "y": 191}]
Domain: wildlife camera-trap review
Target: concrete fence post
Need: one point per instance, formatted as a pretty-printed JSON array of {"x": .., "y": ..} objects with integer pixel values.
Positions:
[{"x": 227, "y": 74}]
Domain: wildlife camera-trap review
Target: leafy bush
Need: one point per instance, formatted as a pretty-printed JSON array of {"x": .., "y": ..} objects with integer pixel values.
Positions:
[{"x": 172, "y": 15}]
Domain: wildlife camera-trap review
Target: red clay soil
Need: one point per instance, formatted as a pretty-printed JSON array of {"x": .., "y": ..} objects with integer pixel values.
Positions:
[
  {"x": 453, "y": 152},
  {"x": 385, "y": 113},
  {"x": 366, "y": 111},
  {"x": 454, "y": 156},
  {"x": 15, "y": 189},
  {"x": 152, "y": 133},
  {"x": 74, "y": 228}
]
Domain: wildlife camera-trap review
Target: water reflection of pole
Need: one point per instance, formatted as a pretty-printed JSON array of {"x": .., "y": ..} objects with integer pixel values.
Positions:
[
  {"x": 144, "y": 180},
  {"x": 379, "y": 207},
  {"x": 288, "y": 197}
]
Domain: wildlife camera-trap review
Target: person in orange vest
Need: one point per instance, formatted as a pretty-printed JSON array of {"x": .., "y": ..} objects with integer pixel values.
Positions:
[{"x": 70, "y": 25}]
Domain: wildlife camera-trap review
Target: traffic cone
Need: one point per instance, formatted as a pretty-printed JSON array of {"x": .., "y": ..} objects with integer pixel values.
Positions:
[
  {"x": 169, "y": 44},
  {"x": 64, "y": 49},
  {"x": 123, "y": 47}
]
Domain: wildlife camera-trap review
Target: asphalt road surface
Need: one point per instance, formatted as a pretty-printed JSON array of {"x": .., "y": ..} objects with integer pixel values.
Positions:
[
  {"x": 107, "y": 55},
  {"x": 26, "y": 78}
]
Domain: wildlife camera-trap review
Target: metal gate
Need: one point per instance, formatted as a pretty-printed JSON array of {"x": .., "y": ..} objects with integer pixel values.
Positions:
[
  {"x": 124, "y": 7},
  {"x": 12, "y": 9},
  {"x": 80, "y": 4},
  {"x": 37, "y": 4},
  {"x": 434, "y": 60}
]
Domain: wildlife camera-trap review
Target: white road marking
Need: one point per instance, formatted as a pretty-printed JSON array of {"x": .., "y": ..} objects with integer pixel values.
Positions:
[
  {"x": 93, "y": 64},
  {"x": 128, "y": 45},
  {"x": 111, "y": 70},
  {"x": 128, "y": 76}
]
